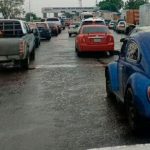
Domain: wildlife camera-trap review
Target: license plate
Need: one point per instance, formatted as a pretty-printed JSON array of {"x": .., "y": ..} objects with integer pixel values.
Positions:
[{"x": 97, "y": 40}]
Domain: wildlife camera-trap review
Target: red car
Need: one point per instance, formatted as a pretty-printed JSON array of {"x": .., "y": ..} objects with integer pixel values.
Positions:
[{"x": 94, "y": 38}]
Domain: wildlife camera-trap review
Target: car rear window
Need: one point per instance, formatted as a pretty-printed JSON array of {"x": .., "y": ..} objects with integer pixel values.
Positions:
[
  {"x": 94, "y": 29},
  {"x": 100, "y": 22},
  {"x": 93, "y": 22},
  {"x": 41, "y": 25},
  {"x": 52, "y": 19},
  {"x": 87, "y": 22},
  {"x": 10, "y": 29}
]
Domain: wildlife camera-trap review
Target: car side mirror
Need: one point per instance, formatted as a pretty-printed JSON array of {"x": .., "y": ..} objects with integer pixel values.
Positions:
[
  {"x": 122, "y": 40},
  {"x": 139, "y": 59}
]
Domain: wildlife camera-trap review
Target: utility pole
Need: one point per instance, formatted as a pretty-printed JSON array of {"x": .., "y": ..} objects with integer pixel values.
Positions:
[{"x": 80, "y": 3}]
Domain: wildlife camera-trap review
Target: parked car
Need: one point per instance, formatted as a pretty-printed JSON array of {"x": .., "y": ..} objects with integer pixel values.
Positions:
[
  {"x": 45, "y": 31},
  {"x": 56, "y": 21},
  {"x": 16, "y": 42},
  {"x": 36, "y": 33},
  {"x": 111, "y": 25},
  {"x": 73, "y": 28},
  {"x": 128, "y": 78},
  {"x": 107, "y": 21},
  {"x": 54, "y": 29},
  {"x": 63, "y": 24},
  {"x": 121, "y": 26},
  {"x": 94, "y": 38}
]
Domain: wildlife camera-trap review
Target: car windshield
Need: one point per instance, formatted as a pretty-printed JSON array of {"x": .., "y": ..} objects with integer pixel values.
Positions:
[
  {"x": 100, "y": 22},
  {"x": 95, "y": 29}
]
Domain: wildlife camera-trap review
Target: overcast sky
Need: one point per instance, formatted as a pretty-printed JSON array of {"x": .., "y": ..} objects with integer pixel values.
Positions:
[{"x": 36, "y": 5}]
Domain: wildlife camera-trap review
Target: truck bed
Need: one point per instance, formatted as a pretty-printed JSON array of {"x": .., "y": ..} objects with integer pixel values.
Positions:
[{"x": 9, "y": 46}]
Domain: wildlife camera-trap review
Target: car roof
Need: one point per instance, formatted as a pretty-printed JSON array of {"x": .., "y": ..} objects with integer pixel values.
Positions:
[
  {"x": 93, "y": 19},
  {"x": 12, "y": 20},
  {"x": 143, "y": 27},
  {"x": 94, "y": 25}
]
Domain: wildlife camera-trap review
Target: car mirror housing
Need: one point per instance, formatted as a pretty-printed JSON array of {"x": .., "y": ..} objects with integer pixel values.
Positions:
[{"x": 122, "y": 39}]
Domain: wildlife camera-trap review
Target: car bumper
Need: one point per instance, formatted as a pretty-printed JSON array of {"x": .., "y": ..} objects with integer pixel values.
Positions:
[{"x": 96, "y": 48}]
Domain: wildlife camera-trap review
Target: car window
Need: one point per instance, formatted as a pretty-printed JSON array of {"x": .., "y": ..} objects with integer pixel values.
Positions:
[
  {"x": 132, "y": 51},
  {"x": 93, "y": 29},
  {"x": 100, "y": 22},
  {"x": 10, "y": 29},
  {"x": 52, "y": 19}
]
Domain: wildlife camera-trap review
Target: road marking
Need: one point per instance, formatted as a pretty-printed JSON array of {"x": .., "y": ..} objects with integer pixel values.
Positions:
[
  {"x": 126, "y": 147},
  {"x": 65, "y": 66}
]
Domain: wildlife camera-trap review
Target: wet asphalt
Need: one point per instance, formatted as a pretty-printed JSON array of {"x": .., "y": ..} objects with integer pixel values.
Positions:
[{"x": 60, "y": 102}]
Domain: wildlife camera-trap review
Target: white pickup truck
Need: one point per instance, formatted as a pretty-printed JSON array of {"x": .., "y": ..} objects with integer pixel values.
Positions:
[{"x": 17, "y": 42}]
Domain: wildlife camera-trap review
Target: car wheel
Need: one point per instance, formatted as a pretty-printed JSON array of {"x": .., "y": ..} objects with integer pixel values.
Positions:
[
  {"x": 69, "y": 35},
  {"x": 32, "y": 55},
  {"x": 133, "y": 116},
  {"x": 108, "y": 86},
  {"x": 79, "y": 54},
  {"x": 48, "y": 38},
  {"x": 25, "y": 63},
  {"x": 111, "y": 53}
]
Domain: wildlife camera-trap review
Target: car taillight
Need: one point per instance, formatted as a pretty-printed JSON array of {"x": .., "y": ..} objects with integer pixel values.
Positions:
[
  {"x": 148, "y": 93},
  {"x": 110, "y": 39},
  {"x": 82, "y": 40},
  {"x": 21, "y": 47}
]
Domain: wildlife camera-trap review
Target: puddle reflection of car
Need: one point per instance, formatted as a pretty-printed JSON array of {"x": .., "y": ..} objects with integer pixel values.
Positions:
[
  {"x": 73, "y": 29},
  {"x": 94, "y": 38},
  {"x": 45, "y": 31}
]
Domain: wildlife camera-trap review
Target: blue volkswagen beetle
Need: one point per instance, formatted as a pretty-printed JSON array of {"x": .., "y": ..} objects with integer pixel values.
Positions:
[{"x": 128, "y": 78}]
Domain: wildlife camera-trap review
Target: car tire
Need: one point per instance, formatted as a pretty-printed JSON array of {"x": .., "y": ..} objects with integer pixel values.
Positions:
[
  {"x": 133, "y": 116},
  {"x": 49, "y": 38},
  {"x": 111, "y": 53},
  {"x": 79, "y": 54},
  {"x": 69, "y": 34},
  {"x": 109, "y": 92},
  {"x": 25, "y": 63},
  {"x": 32, "y": 55}
]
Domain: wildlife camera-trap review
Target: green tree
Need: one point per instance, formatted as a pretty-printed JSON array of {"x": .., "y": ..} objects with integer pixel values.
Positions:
[
  {"x": 111, "y": 5},
  {"x": 31, "y": 16},
  {"x": 11, "y": 8},
  {"x": 134, "y": 4}
]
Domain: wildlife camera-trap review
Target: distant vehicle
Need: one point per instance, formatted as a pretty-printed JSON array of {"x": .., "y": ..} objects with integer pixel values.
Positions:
[
  {"x": 94, "y": 38},
  {"x": 90, "y": 21},
  {"x": 111, "y": 24},
  {"x": 36, "y": 33},
  {"x": 16, "y": 42},
  {"x": 54, "y": 29},
  {"x": 139, "y": 29},
  {"x": 107, "y": 21},
  {"x": 56, "y": 21},
  {"x": 86, "y": 15},
  {"x": 128, "y": 79},
  {"x": 73, "y": 28},
  {"x": 45, "y": 31},
  {"x": 121, "y": 26}
]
